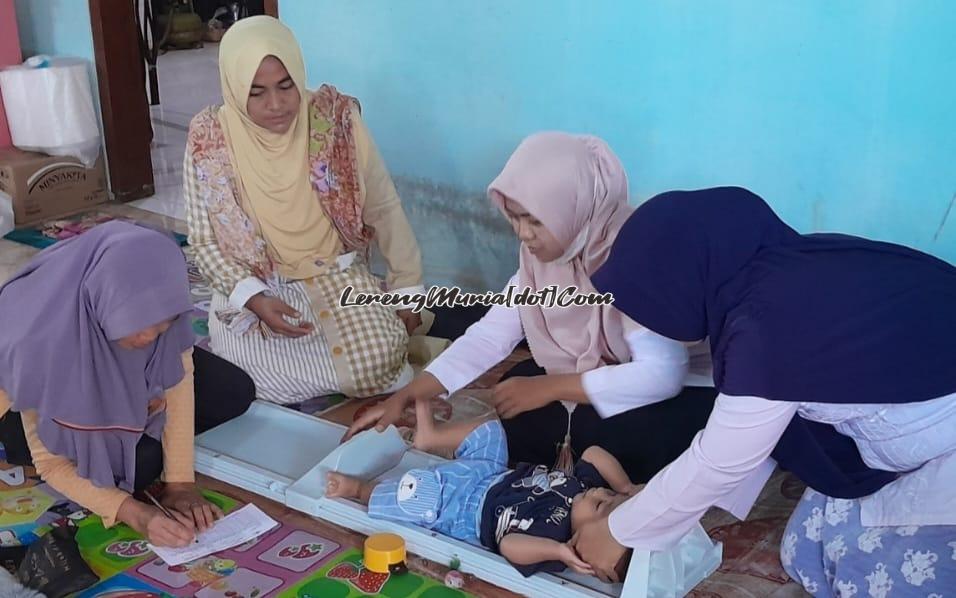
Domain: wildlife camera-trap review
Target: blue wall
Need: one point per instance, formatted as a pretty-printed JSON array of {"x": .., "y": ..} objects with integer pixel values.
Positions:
[
  {"x": 59, "y": 28},
  {"x": 841, "y": 114},
  {"x": 55, "y": 27}
]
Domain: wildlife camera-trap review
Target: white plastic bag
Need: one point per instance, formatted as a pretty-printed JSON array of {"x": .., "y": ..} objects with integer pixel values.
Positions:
[
  {"x": 6, "y": 213},
  {"x": 50, "y": 109}
]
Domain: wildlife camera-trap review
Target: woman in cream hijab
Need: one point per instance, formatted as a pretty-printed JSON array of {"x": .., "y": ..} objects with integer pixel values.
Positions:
[{"x": 285, "y": 193}]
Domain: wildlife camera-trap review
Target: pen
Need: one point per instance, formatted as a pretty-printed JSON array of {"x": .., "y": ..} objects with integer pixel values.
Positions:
[
  {"x": 158, "y": 506},
  {"x": 164, "y": 510}
]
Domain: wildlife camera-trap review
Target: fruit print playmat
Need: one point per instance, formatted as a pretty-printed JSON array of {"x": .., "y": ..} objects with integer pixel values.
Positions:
[
  {"x": 285, "y": 563},
  {"x": 345, "y": 577}
]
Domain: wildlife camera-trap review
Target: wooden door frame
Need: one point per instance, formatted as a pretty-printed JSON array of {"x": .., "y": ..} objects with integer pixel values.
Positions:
[
  {"x": 121, "y": 78},
  {"x": 124, "y": 103}
]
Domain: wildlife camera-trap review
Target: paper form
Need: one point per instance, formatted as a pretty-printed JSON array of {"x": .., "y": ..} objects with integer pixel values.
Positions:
[{"x": 234, "y": 529}]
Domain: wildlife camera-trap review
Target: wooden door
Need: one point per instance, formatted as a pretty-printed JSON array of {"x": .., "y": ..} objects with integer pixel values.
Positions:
[{"x": 121, "y": 77}]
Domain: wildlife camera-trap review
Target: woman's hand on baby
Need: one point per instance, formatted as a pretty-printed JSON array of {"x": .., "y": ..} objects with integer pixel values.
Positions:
[
  {"x": 389, "y": 411},
  {"x": 519, "y": 394},
  {"x": 185, "y": 499},
  {"x": 382, "y": 415},
  {"x": 633, "y": 489},
  {"x": 595, "y": 545},
  {"x": 573, "y": 561},
  {"x": 272, "y": 311}
]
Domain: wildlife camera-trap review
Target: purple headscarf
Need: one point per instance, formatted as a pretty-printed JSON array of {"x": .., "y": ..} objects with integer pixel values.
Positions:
[{"x": 61, "y": 317}]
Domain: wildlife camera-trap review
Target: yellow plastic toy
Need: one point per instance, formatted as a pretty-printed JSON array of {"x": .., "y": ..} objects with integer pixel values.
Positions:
[{"x": 385, "y": 553}]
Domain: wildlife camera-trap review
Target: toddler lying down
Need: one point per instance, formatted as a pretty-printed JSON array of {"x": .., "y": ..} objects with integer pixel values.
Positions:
[{"x": 528, "y": 514}]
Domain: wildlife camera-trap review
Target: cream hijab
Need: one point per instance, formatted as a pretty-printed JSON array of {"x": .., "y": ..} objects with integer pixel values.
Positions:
[
  {"x": 273, "y": 168},
  {"x": 577, "y": 188}
]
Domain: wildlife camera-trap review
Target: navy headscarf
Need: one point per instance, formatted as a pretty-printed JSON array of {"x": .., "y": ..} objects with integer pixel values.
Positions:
[{"x": 817, "y": 318}]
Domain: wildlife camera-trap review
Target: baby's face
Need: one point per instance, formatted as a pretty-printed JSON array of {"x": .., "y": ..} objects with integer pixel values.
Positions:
[{"x": 594, "y": 504}]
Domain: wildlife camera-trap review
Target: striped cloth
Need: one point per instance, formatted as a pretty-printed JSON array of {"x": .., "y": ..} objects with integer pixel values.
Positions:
[
  {"x": 448, "y": 497},
  {"x": 356, "y": 351}
]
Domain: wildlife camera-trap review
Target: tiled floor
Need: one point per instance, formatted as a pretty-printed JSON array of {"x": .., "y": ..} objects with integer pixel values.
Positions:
[
  {"x": 188, "y": 82},
  {"x": 13, "y": 255}
]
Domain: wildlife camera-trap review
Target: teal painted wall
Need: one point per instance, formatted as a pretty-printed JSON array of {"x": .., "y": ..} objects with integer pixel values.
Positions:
[
  {"x": 841, "y": 114},
  {"x": 55, "y": 27}
]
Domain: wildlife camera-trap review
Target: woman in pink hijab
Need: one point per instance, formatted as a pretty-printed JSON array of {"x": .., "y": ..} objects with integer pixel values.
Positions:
[{"x": 566, "y": 198}]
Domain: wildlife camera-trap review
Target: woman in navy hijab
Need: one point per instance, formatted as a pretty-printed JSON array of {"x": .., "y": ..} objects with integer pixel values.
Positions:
[{"x": 834, "y": 357}]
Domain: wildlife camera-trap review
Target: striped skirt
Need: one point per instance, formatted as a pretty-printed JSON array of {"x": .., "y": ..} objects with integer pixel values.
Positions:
[{"x": 356, "y": 351}]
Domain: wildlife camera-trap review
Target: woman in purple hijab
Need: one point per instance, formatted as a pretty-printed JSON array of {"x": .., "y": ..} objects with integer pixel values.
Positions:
[{"x": 96, "y": 359}]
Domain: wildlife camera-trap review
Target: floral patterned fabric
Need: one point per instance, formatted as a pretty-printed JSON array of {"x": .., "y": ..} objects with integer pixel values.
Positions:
[
  {"x": 827, "y": 551},
  {"x": 333, "y": 174}
]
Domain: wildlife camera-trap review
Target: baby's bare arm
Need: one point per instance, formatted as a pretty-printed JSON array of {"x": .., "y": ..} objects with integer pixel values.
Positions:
[
  {"x": 522, "y": 549},
  {"x": 609, "y": 468}
]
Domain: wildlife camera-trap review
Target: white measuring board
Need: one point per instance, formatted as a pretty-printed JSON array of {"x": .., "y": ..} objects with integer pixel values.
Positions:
[{"x": 284, "y": 455}]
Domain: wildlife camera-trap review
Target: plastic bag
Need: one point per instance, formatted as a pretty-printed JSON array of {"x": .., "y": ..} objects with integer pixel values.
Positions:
[
  {"x": 50, "y": 108},
  {"x": 6, "y": 213},
  {"x": 53, "y": 565}
]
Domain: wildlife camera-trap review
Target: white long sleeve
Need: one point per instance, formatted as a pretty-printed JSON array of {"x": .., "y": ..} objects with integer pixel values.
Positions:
[
  {"x": 726, "y": 465},
  {"x": 484, "y": 345},
  {"x": 656, "y": 372},
  {"x": 246, "y": 289}
]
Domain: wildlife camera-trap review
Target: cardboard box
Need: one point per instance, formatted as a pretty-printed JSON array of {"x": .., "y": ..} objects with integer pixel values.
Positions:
[{"x": 45, "y": 187}]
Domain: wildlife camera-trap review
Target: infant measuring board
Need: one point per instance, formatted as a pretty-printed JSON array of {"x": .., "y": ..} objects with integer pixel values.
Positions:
[{"x": 284, "y": 455}]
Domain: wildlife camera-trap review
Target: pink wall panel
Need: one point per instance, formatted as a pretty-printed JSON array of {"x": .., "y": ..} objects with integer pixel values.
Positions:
[{"x": 9, "y": 54}]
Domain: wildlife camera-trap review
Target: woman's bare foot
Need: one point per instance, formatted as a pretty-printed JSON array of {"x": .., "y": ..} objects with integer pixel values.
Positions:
[
  {"x": 424, "y": 426},
  {"x": 340, "y": 485}
]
